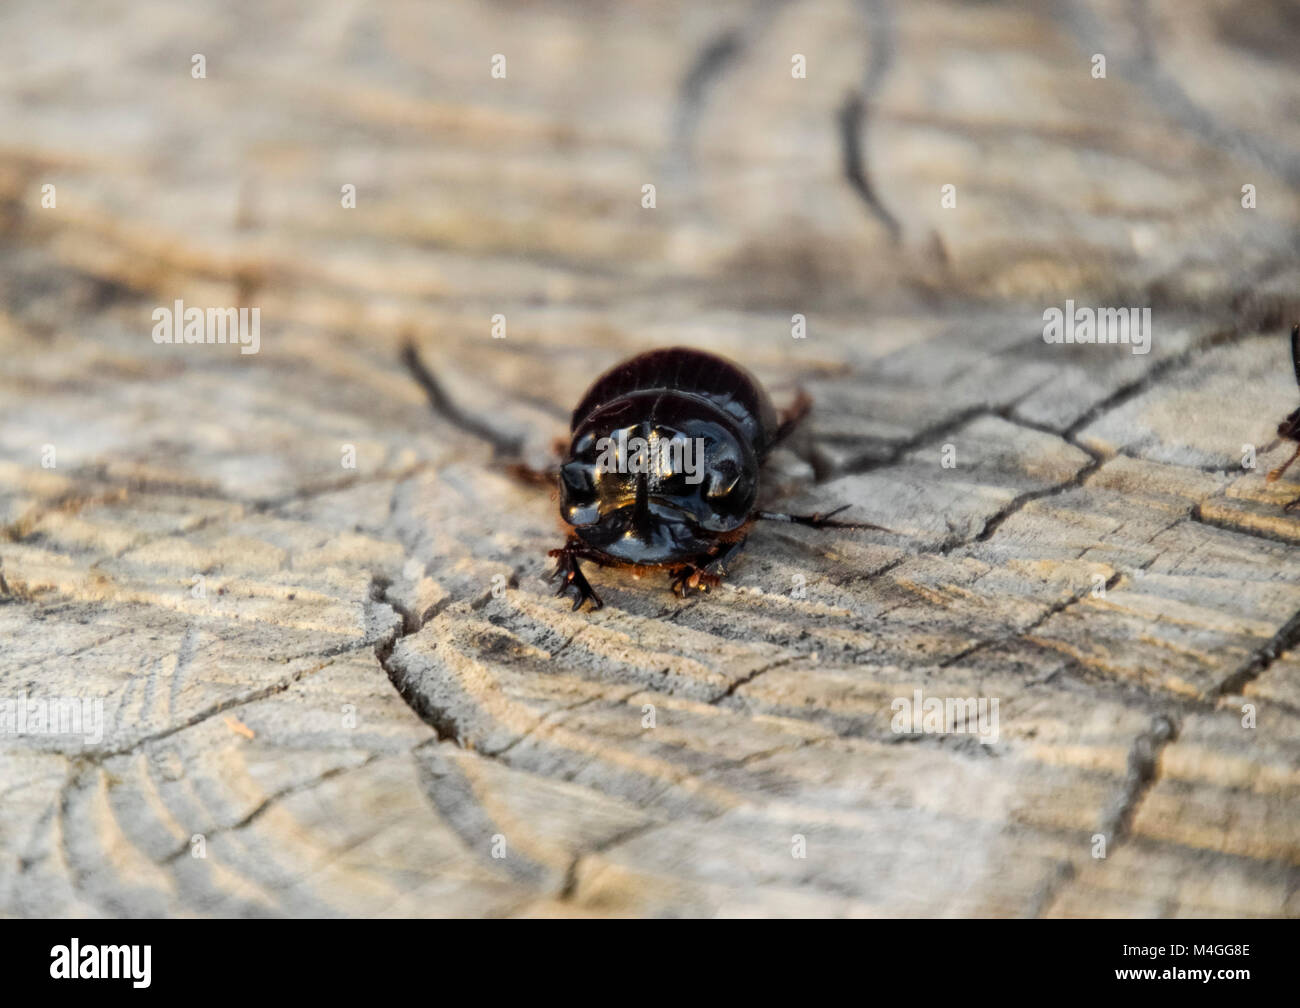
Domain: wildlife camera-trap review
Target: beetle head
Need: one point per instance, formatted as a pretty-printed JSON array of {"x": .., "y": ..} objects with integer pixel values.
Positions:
[{"x": 656, "y": 490}]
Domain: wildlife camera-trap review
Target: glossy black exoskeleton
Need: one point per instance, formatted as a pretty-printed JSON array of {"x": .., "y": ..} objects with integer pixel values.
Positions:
[
  {"x": 1290, "y": 427},
  {"x": 685, "y": 503}
]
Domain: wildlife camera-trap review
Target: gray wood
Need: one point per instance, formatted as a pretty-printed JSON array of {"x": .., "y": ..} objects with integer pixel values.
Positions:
[{"x": 349, "y": 716}]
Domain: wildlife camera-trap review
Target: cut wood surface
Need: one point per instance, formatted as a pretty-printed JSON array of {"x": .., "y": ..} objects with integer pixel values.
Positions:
[{"x": 349, "y": 690}]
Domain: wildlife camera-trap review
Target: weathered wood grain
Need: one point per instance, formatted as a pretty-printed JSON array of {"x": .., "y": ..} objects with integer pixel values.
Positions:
[{"x": 331, "y": 690}]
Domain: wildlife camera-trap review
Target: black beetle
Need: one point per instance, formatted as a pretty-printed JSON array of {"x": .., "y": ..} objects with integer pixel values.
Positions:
[
  {"x": 701, "y": 428},
  {"x": 684, "y": 497},
  {"x": 1290, "y": 427}
]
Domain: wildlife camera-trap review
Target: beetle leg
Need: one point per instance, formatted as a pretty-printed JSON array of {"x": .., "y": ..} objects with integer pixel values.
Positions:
[
  {"x": 567, "y": 569},
  {"x": 792, "y": 417},
  {"x": 1276, "y": 474},
  {"x": 706, "y": 575},
  {"x": 687, "y": 577},
  {"x": 818, "y": 520},
  {"x": 525, "y": 473}
]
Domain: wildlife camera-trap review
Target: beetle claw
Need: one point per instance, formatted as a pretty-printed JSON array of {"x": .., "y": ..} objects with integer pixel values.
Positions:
[
  {"x": 686, "y": 578},
  {"x": 567, "y": 569}
]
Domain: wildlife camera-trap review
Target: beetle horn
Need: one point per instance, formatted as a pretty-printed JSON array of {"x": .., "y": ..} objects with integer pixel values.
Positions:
[{"x": 641, "y": 509}]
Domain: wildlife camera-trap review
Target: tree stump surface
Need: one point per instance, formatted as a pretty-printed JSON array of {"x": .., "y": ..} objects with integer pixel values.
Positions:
[{"x": 350, "y": 691}]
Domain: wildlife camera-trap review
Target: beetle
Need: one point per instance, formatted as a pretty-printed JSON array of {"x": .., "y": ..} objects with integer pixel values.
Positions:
[
  {"x": 1290, "y": 427},
  {"x": 685, "y": 499}
]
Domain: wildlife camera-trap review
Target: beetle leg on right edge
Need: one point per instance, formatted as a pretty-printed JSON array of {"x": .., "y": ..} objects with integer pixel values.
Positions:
[
  {"x": 1276, "y": 474},
  {"x": 566, "y": 568},
  {"x": 792, "y": 417}
]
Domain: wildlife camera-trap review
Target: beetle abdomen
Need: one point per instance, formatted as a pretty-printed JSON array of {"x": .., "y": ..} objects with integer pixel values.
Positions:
[{"x": 678, "y": 370}]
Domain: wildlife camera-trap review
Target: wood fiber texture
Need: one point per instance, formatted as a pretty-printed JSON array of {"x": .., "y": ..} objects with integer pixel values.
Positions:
[{"x": 350, "y": 689}]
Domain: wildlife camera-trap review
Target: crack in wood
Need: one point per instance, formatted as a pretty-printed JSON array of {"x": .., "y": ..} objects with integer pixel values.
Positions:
[
  {"x": 1052, "y": 610},
  {"x": 1142, "y": 767},
  {"x": 1286, "y": 638},
  {"x": 992, "y": 524},
  {"x": 1266, "y": 319},
  {"x": 221, "y": 707},
  {"x": 1198, "y": 515},
  {"x": 503, "y": 445},
  {"x": 270, "y": 800},
  {"x": 852, "y": 117},
  {"x": 730, "y": 691}
]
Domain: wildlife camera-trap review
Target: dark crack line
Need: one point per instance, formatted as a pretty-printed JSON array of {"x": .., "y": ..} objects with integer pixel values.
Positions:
[
  {"x": 1281, "y": 642},
  {"x": 895, "y": 451},
  {"x": 1097, "y": 687},
  {"x": 712, "y": 62},
  {"x": 1223, "y": 337},
  {"x": 105, "y": 490},
  {"x": 503, "y": 445},
  {"x": 1198, "y": 516},
  {"x": 745, "y": 680},
  {"x": 266, "y": 803},
  {"x": 992, "y": 524},
  {"x": 1141, "y": 771},
  {"x": 1089, "y": 688},
  {"x": 1140, "y": 774},
  {"x": 443, "y": 724},
  {"x": 679, "y": 610},
  {"x": 853, "y": 118},
  {"x": 570, "y": 883},
  {"x": 1053, "y": 610},
  {"x": 222, "y": 707},
  {"x": 563, "y": 647},
  {"x": 556, "y": 712},
  {"x": 873, "y": 575}
]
